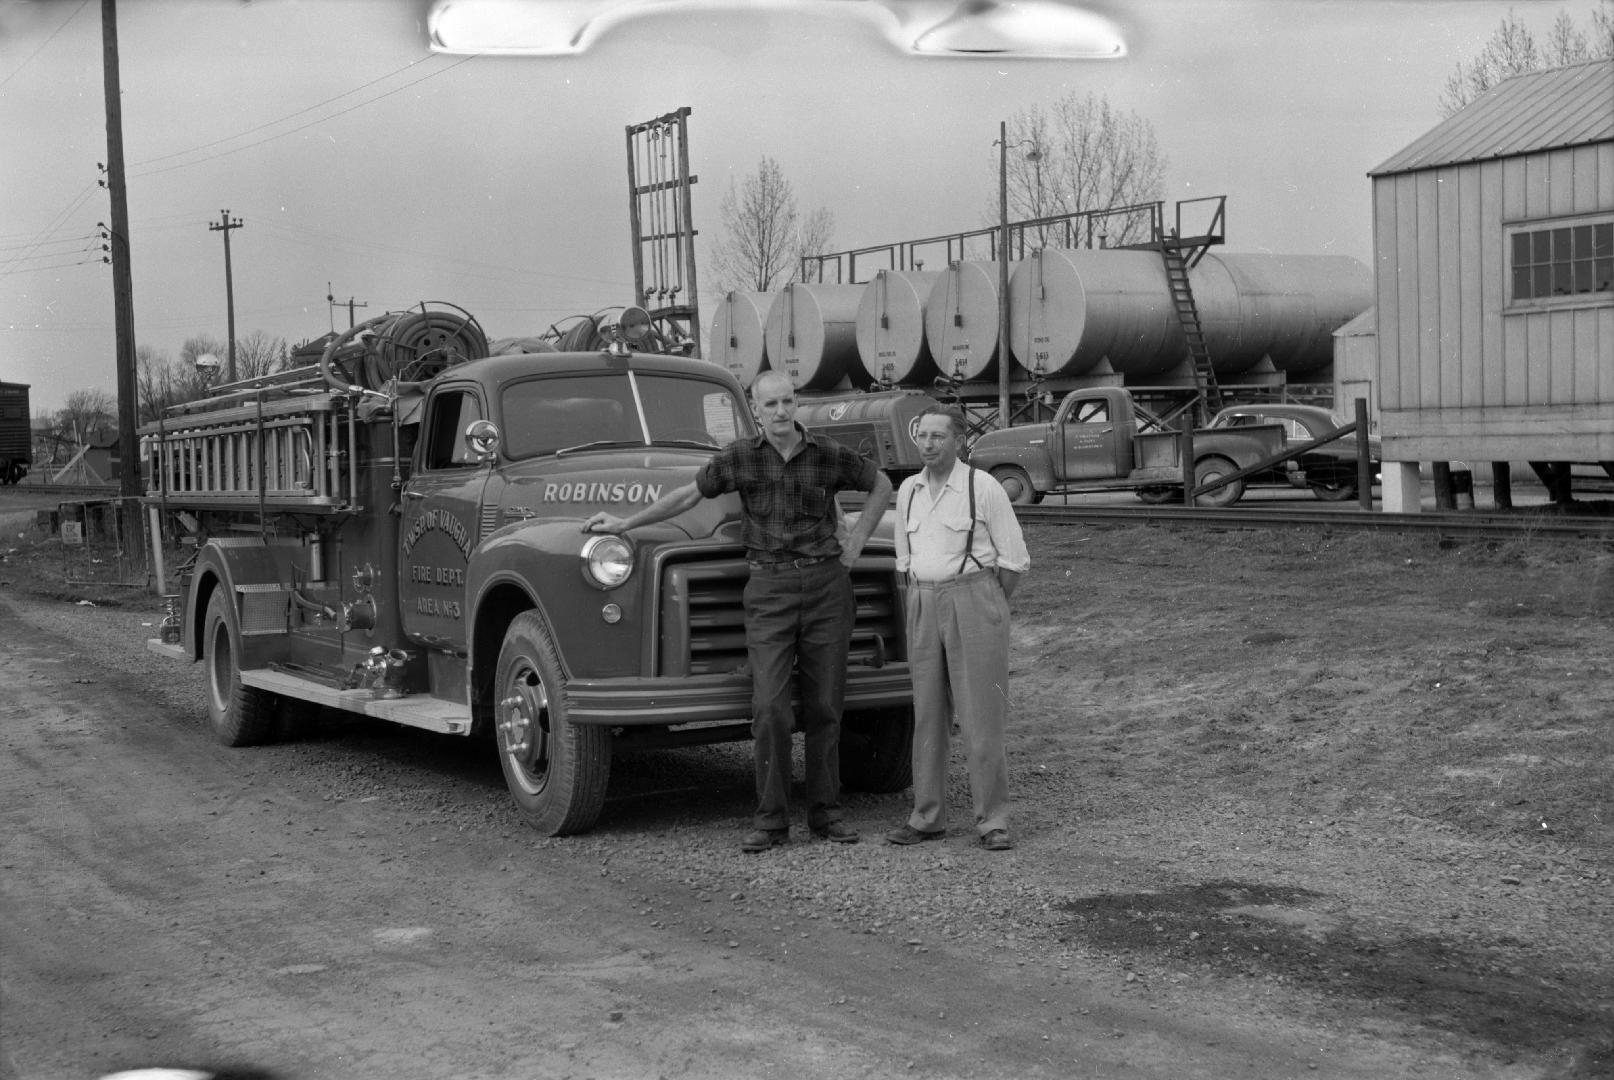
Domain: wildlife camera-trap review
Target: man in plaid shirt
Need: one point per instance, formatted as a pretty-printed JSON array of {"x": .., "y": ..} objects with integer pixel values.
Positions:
[{"x": 798, "y": 601}]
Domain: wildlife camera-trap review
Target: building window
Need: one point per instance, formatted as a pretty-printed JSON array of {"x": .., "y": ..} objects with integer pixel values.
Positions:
[{"x": 1565, "y": 260}]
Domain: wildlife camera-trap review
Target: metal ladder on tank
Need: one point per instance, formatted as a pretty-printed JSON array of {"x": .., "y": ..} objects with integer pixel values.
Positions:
[{"x": 1182, "y": 298}]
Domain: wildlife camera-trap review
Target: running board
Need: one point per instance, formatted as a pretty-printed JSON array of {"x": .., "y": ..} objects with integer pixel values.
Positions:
[{"x": 416, "y": 710}]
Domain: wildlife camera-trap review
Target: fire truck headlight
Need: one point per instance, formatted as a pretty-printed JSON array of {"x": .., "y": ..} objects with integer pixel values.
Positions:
[{"x": 607, "y": 561}]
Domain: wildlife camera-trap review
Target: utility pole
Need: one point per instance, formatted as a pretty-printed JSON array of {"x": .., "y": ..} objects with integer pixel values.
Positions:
[
  {"x": 1003, "y": 273},
  {"x": 224, "y": 226},
  {"x": 351, "y": 304},
  {"x": 122, "y": 284}
]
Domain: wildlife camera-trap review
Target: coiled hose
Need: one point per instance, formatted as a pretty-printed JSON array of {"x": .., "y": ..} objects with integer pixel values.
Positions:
[{"x": 406, "y": 346}]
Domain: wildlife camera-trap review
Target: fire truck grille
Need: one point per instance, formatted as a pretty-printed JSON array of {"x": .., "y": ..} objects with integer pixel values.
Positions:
[{"x": 703, "y": 619}]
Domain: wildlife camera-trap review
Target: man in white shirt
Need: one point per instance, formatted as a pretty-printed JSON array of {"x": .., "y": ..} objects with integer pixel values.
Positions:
[{"x": 961, "y": 548}]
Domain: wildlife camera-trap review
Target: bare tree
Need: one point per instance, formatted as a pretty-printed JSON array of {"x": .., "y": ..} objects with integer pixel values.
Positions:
[
  {"x": 1512, "y": 50},
  {"x": 1082, "y": 154},
  {"x": 154, "y": 383},
  {"x": 84, "y": 411},
  {"x": 764, "y": 234},
  {"x": 258, "y": 354}
]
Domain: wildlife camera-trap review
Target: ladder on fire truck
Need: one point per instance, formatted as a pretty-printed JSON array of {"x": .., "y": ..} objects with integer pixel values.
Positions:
[{"x": 267, "y": 453}]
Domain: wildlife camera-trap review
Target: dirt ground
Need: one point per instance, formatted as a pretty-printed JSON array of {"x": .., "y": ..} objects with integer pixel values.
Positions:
[{"x": 1315, "y": 803}]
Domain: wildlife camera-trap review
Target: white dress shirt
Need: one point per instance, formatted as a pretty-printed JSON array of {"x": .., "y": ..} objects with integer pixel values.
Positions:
[{"x": 933, "y": 522}]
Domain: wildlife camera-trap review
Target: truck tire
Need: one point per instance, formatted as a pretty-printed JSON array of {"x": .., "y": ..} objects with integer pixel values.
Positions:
[
  {"x": 1017, "y": 485},
  {"x": 239, "y": 715},
  {"x": 557, "y": 771},
  {"x": 877, "y": 750},
  {"x": 1211, "y": 468},
  {"x": 1332, "y": 486},
  {"x": 1159, "y": 495}
]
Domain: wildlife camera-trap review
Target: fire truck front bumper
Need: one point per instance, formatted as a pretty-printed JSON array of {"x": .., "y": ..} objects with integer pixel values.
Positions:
[{"x": 712, "y": 698}]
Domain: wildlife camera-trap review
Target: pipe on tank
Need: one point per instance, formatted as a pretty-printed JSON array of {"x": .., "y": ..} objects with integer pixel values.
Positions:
[
  {"x": 961, "y": 321},
  {"x": 891, "y": 342},
  {"x": 811, "y": 335},
  {"x": 738, "y": 341},
  {"x": 1071, "y": 309}
]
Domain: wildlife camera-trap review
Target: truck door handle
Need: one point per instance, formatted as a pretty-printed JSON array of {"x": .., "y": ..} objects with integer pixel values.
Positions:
[{"x": 408, "y": 494}]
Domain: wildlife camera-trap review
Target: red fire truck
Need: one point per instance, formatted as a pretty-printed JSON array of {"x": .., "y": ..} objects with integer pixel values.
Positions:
[{"x": 397, "y": 531}]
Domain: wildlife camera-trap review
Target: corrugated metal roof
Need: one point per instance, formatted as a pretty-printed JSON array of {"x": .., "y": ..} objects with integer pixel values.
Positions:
[{"x": 1543, "y": 110}]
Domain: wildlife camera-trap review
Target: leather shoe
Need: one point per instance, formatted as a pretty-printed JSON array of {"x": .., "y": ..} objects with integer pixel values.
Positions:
[
  {"x": 997, "y": 840},
  {"x": 838, "y": 831},
  {"x": 763, "y": 839},
  {"x": 910, "y": 835}
]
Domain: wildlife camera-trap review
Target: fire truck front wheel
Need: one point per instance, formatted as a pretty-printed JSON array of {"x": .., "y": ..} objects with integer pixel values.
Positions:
[
  {"x": 556, "y": 770},
  {"x": 240, "y": 715}
]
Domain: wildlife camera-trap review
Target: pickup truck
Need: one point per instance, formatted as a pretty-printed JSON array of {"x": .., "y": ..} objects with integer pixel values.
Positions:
[{"x": 1099, "y": 441}]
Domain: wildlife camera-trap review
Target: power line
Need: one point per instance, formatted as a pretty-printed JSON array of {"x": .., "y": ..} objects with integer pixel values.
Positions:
[
  {"x": 53, "y": 266},
  {"x": 55, "y": 222},
  {"x": 288, "y": 116},
  {"x": 42, "y": 44},
  {"x": 301, "y": 127}
]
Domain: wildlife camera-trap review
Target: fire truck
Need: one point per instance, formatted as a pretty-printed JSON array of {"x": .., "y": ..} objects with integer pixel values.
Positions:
[{"x": 396, "y": 531}]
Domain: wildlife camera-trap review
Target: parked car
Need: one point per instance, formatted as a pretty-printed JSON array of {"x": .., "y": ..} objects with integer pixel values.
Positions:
[{"x": 1329, "y": 470}]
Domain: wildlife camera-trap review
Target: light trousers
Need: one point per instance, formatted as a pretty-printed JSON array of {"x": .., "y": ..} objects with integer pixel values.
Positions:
[{"x": 958, "y": 651}]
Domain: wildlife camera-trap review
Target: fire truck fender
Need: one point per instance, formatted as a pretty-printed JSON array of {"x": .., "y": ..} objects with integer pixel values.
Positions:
[
  {"x": 229, "y": 563},
  {"x": 536, "y": 565},
  {"x": 495, "y": 604}
]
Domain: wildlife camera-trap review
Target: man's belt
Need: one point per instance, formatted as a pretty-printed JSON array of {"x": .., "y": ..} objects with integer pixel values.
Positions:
[{"x": 779, "y": 564}]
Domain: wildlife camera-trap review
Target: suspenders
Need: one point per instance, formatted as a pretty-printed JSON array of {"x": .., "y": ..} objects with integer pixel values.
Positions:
[{"x": 969, "y": 540}]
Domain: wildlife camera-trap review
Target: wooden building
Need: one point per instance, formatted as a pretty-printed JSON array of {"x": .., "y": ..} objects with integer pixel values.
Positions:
[{"x": 1493, "y": 239}]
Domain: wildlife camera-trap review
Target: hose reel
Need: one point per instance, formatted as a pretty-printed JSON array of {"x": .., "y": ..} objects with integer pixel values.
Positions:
[{"x": 403, "y": 346}]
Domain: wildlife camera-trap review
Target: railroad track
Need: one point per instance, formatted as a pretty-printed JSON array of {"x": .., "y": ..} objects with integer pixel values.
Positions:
[
  {"x": 1468, "y": 524},
  {"x": 1519, "y": 524}
]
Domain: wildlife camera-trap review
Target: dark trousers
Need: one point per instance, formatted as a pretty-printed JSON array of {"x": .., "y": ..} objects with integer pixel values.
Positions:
[{"x": 801, "y": 619}]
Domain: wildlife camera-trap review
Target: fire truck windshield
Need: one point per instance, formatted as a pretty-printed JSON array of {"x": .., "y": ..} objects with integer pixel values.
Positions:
[{"x": 562, "y": 413}]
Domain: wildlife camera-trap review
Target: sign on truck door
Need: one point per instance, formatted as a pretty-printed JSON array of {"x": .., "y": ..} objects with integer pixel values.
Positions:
[
  {"x": 1091, "y": 443},
  {"x": 441, "y": 520}
]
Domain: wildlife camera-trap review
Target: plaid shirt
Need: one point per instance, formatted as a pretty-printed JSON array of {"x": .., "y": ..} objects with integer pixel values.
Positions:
[{"x": 789, "y": 506}]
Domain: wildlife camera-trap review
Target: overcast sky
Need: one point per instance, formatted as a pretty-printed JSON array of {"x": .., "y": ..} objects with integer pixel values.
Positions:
[{"x": 355, "y": 156}]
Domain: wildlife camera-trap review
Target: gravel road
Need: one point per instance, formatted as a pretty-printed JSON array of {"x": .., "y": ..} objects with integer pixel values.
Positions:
[{"x": 365, "y": 902}]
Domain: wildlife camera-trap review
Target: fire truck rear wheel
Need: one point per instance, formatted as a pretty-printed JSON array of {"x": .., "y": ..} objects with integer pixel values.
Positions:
[
  {"x": 557, "y": 771},
  {"x": 877, "y": 750},
  {"x": 240, "y": 715}
]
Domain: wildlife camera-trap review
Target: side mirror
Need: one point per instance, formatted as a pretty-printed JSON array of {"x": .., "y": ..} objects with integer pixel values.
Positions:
[{"x": 482, "y": 439}]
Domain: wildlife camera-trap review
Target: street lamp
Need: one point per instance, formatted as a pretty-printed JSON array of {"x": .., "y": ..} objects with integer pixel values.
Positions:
[{"x": 1035, "y": 157}]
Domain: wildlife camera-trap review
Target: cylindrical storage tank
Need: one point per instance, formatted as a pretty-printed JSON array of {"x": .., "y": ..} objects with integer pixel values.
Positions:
[
  {"x": 811, "y": 335},
  {"x": 891, "y": 327},
  {"x": 961, "y": 321},
  {"x": 1282, "y": 307},
  {"x": 1069, "y": 309},
  {"x": 738, "y": 341}
]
